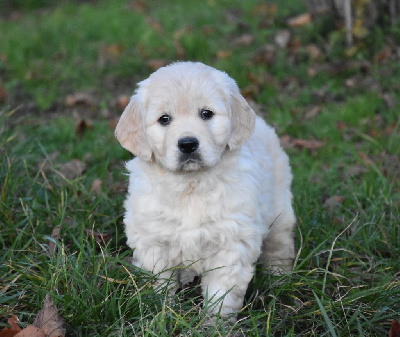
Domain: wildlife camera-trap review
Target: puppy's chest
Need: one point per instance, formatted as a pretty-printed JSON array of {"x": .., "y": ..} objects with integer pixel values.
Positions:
[{"x": 190, "y": 222}]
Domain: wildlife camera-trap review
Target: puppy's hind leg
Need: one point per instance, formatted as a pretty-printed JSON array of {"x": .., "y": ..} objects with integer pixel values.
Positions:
[{"x": 278, "y": 247}]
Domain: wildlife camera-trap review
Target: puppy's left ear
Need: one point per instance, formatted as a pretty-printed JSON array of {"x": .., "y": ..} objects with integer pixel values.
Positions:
[{"x": 243, "y": 120}]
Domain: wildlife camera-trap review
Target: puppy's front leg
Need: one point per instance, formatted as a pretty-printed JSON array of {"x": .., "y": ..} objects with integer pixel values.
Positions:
[
  {"x": 228, "y": 284},
  {"x": 153, "y": 260}
]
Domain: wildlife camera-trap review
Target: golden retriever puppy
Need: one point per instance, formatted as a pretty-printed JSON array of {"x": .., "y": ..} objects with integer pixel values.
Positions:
[{"x": 209, "y": 189}]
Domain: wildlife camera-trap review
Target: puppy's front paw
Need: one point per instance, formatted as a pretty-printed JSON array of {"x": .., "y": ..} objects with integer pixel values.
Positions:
[{"x": 187, "y": 276}]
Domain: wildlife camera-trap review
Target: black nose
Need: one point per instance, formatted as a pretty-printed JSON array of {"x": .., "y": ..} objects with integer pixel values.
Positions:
[{"x": 188, "y": 144}]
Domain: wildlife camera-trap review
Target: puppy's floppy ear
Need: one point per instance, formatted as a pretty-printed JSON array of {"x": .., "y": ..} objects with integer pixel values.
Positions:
[
  {"x": 130, "y": 131},
  {"x": 242, "y": 117}
]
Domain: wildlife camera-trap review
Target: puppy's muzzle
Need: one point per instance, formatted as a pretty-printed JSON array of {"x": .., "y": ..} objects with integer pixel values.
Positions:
[{"x": 188, "y": 145}]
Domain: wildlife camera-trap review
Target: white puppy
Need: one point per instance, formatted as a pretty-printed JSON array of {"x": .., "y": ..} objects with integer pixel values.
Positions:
[{"x": 209, "y": 188}]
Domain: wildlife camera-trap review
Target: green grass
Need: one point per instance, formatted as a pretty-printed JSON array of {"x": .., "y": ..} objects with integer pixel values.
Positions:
[{"x": 346, "y": 278}]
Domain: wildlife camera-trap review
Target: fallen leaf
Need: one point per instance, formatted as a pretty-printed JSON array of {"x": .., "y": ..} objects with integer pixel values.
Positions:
[
  {"x": 81, "y": 128},
  {"x": 112, "y": 50},
  {"x": 3, "y": 94},
  {"x": 119, "y": 186},
  {"x": 207, "y": 30},
  {"x": 233, "y": 15},
  {"x": 180, "y": 51},
  {"x": 243, "y": 40},
  {"x": 122, "y": 102},
  {"x": 332, "y": 202},
  {"x": 250, "y": 92},
  {"x": 80, "y": 98},
  {"x": 311, "y": 71},
  {"x": 139, "y": 6},
  {"x": 353, "y": 171},
  {"x": 383, "y": 54},
  {"x": 11, "y": 332},
  {"x": 312, "y": 111},
  {"x": 367, "y": 161},
  {"x": 282, "y": 38},
  {"x": 288, "y": 141},
  {"x": 96, "y": 187},
  {"x": 155, "y": 24},
  {"x": 265, "y": 55},
  {"x": 390, "y": 100},
  {"x": 224, "y": 54},
  {"x": 395, "y": 330},
  {"x": 157, "y": 63},
  {"x": 46, "y": 164},
  {"x": 313, "y": 51},
  {"x": 299, "y": 20},
  {"x": 308, "y": 144},
  {"x": 101, "y": 238},
  {"x": 72, "y": 169},
  {"x": 32, "y": 331},
  {"x": 350, "y": 82},
  {"x": 50, "y": 320},
  {"x": 54, "y": 235}
]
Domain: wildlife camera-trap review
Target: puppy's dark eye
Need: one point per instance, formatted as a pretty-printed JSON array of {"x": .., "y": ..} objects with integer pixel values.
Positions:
[
  {"x": 206, "y": 114},
  {"x": 164, "y": 120}
]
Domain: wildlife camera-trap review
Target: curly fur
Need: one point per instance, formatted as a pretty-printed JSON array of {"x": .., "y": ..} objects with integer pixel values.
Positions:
[{"x": 220, "y": 212}]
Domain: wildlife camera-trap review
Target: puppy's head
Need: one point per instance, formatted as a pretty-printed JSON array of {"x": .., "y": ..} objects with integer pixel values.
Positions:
[{"x": 185, "y": 116}]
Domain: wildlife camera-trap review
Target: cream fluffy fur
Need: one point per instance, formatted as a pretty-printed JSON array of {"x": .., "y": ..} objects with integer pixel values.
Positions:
[{"x": 217, "y": 209}]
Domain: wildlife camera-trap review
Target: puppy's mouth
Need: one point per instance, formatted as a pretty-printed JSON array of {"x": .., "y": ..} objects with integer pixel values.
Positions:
[{"x": 190, "y": 162}]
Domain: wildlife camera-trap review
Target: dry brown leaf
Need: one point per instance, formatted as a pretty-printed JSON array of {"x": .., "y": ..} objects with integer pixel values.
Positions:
[
  {"x": 383, "y": 54},
  {"x": 50, "y": 320},
  {"x": 390, "y": 100},
  {"x": 155, "y": 64},
  {"x": 224, "y": 54},
  {"x": 313, "y": 51},
  {"x": 308, "y": 144},
  {"x": 80, "y": 98},
  {"x": 207, "y": 30},
  {"x": 3, "y": 94},
  {"x": 54, "y": 235},
  {"x": 367, "y": 161},
  {"x": 243, "y": 40},
  {"x": 180, "y": 51},
  {"x": 312, "y": 111},
  {"x": 233, "y": 15},
  {"x": 119, "y": 186},
  {"x": 353, "y": 171},
  {"x": 122, "y": 102},
  {"x": 31, "y": 331},
  {"x": 11, "y": 332},
  {"x": 138, "y": 6},
  {"x": 286, "y": 141},
  {"x": 311, "y": 71},
  {"x": 395, "y": 330},
  {"x": 45, "y": 165},
  {"x": 81, "y": 127},
  {"x": 72, "y": 169},
  {"x": 112, "y": 50},
  {"x": 332, "y": 202},
  {"x": 96, "y": 187},
  {"x": 155, "y": 24},
  {"x": 265, "y": 55},
  {"x": 300, "y": 20},
  {"x": 101, "y": 238}
]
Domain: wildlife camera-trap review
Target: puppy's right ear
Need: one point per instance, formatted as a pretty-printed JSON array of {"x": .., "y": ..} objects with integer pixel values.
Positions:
[{"x": 130, "y": 131}]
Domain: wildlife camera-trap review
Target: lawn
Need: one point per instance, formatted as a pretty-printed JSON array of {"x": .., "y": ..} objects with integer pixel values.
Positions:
[{"x": 65, "y": 72}]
